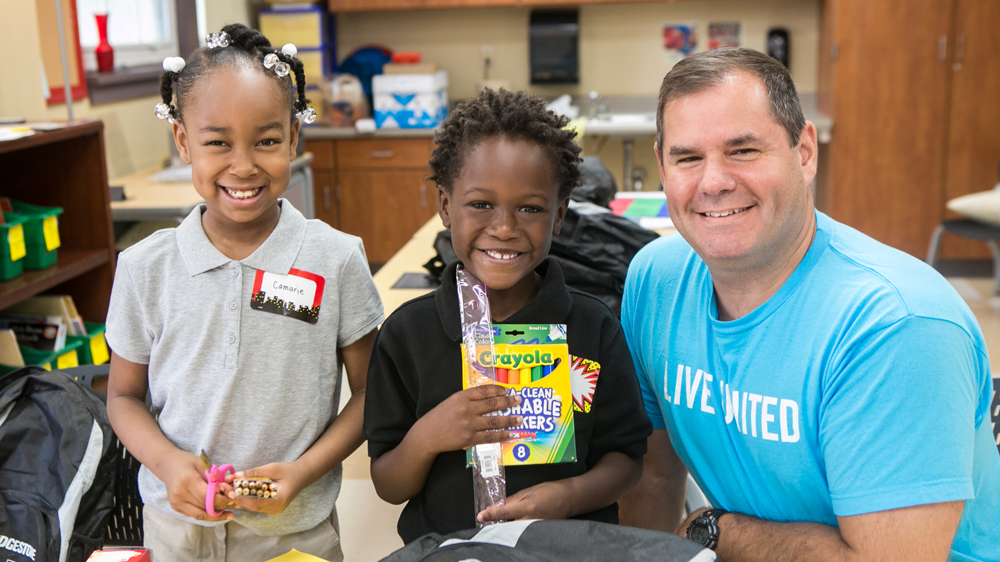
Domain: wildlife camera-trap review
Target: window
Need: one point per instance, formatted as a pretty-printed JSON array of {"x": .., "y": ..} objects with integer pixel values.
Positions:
[{"x": 142, "y": 32}]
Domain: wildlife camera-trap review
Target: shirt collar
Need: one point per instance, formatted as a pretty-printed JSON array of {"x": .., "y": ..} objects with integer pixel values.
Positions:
[
  {"x": 552, "y": 305},
  {"x": 275, "y": 255}
]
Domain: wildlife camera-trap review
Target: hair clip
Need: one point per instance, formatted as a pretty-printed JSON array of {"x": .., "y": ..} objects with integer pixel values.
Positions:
[
  {"x": 164, "y": 111},
  {"x": 173, "y": 64},
  {"x": 307, "y": 115},
  {"x": 220, "y": 39},
  {"x": 281, "y": 68}
]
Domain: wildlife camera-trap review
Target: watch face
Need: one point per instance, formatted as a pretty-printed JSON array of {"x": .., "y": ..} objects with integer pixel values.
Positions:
[{"x": 699, "y": 534}]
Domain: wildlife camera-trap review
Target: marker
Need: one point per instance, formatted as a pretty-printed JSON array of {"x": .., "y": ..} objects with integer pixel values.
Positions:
[
  {"x": 526, "y": 375},
  {"x": 513, "y": 376},
  {"x": 536, "y": 373},
  {"x": 501, "y": 375}
]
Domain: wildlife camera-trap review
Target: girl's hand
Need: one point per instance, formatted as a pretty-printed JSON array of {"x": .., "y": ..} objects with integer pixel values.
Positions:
[
  {"x": 286, "y": 475},
  {"x": 184, "y": 477},
  {"x": 548, "y": 500},
  {"x": 461, "y": 421}
]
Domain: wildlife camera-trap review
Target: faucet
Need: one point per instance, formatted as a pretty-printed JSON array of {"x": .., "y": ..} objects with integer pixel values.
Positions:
[{"x": 597, "y": 104}]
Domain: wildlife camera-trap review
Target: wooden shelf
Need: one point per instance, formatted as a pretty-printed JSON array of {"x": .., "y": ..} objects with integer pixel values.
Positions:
[
  {"x": 78, "y": 129},
  {"x": 71, "y": 264},
  {"x": 65, "y": 168}
]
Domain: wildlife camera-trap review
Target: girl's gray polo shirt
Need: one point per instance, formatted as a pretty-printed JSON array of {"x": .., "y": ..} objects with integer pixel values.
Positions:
[{"x": 232, "y": 374}]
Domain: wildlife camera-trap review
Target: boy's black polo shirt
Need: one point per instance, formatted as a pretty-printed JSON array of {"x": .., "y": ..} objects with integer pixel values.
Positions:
[{"x": 417, "y": 364}]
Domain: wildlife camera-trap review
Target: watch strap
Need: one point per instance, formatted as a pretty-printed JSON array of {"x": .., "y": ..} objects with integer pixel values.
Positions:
[{"x": 710, "y": 521}]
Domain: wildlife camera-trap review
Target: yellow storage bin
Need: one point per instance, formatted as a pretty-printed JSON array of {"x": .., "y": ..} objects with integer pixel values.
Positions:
[{"x": 303, "y": 27}]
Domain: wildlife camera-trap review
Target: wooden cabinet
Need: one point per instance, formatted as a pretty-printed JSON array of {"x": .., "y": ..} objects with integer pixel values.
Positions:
[
  {"x": 379, "y": 190},
  {"x": 915, "y": 113},
  {"x": 388, "y": 5},
  {"x": 65, "y": 168},
  {"x": 324, "y": 181}
]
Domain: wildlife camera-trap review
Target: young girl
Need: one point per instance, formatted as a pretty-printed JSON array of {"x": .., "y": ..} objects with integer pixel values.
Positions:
[
  {"x": 237, "y": 324},
  {"x": 504, "y": 168}
]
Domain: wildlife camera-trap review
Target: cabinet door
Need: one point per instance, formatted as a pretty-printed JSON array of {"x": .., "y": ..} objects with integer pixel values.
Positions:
[
  {"x": 887, "y": 156},
  {"x": 974, "y": 126},
  {"x": 385, "y": 208},
  {"x": 325, "y": 197}
]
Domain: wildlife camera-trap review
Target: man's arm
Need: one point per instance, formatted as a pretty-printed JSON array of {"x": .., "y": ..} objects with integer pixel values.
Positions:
[
  {"x": 657, "y": 502},
  {"x": 911, "y": 534}
]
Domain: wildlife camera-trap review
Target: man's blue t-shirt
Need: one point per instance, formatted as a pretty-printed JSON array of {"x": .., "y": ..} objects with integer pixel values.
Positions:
[{"x": 862, "y": 385}]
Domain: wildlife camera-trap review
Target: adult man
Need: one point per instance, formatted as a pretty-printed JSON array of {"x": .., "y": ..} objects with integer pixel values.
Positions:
[{"x": 829, "y": 393}]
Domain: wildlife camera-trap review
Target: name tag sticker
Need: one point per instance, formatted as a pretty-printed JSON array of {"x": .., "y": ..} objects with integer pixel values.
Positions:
[{"x": 296, "y": 295}]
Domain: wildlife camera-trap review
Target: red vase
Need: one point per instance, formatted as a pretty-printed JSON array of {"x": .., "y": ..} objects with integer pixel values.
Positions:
[{"x": 104, "y": 52}]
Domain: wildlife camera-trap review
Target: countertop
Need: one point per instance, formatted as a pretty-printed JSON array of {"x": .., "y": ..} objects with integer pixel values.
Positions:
[{"x": 630, "y": 117}]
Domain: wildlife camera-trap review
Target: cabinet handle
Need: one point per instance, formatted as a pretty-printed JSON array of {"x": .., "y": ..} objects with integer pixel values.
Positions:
[
  {"x": 336, "y": 193},
  {"x": 423, "y": 196},
  {"x": 834, "y": 51},
  {"x": 326, "y": 197},
  {"x": 960, "y": 47},
  {"x": 383, "y": 153},
  {"x": 942, "y": 48}
]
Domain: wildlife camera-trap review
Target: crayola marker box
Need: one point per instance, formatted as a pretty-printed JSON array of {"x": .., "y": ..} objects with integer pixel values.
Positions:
[{"x": 532, "y": 361}]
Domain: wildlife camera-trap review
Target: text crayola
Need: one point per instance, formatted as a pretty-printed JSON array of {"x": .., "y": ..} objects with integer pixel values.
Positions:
[{"x": 515, "y": 360}]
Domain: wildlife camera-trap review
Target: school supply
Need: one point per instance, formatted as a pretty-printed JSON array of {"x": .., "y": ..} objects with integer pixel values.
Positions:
[
  {"x": 215, "y": 475},
  {"x": 532, "y": 361},
  {"x": 648, "y": 209},
  {"x": 44, "y": 333},
  {"x": 59, "y": 306},
  {"x": 489, "y": 481},
  {"x": 256, "y": 487},
  {"x": 120, "y": 555}
]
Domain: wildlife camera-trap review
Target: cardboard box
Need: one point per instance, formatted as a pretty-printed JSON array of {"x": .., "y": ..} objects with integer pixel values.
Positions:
[
  {"x": 410, "y": 68},
  {"x": 410, "y": 101}
]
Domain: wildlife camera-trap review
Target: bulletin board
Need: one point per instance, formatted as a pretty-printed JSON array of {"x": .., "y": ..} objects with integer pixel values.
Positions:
[{"x": 48, "y": 36}]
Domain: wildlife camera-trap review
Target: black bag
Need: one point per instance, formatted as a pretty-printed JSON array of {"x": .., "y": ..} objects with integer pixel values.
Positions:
[
  {"x": 594, "y": 249},
  {"x": 58, "y": 466},
  {"x": 597, "y": 186},
  {"x": 558, "y": 540}
]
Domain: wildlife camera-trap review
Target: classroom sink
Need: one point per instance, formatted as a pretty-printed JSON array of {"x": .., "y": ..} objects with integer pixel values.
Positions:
[{"x": 632, "y": 125}]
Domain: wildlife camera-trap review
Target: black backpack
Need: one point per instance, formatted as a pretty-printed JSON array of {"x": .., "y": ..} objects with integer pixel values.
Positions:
[
  {"x": 594, "y": 249},
  {"x": 58, "y": 465},
  {"x": 551, "y": 541}
]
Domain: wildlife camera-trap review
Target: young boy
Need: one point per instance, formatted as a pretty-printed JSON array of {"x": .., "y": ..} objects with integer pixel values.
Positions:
[{"x": 504, "y": 168}]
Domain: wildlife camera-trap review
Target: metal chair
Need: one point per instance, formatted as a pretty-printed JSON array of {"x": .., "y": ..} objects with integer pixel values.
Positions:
[{"x": 968, "y": 228}]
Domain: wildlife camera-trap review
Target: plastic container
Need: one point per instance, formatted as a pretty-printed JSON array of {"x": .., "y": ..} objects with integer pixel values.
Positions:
[
  {"x": 41, "y": 233},
  {"x": 12, "y": 246},
  {"x": 63, "y": 359},
  {"x": 93, "y": 349}
]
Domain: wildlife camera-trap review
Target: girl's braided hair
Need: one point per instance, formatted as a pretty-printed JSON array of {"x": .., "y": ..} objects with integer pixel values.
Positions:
[
  {"x": 515, "y": 115},
  {"x": 247, "y": 48}
]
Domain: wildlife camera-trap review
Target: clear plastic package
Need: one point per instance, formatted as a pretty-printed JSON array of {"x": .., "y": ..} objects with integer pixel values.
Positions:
[{"x": 489, "y": 482}]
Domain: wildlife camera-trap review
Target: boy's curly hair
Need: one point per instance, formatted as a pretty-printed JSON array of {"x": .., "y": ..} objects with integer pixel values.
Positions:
[{"x": 515, "y": 115}]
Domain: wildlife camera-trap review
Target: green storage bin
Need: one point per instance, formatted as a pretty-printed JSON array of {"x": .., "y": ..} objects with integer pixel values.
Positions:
[
  {"x": 41, "y": 234},
  {"x": 92, "y": 346},
  {"x": 11, "y": 268},
  {"x": 63, "y": 359}
]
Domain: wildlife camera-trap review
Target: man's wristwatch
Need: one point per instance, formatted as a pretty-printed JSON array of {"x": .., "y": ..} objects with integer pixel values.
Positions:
[{"x": 704, "y": 530}]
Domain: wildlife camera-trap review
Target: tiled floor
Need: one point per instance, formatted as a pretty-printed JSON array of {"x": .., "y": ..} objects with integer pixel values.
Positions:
[{"x": 368, "y": 524}]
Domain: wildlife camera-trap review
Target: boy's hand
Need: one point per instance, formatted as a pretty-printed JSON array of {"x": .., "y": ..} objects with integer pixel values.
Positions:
[
  {"x": 289, "y": 479},
  {"x": 461, "y": 421},
  {"x": 548, "y": 500},
  {"x": 184, "y": 477}
]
